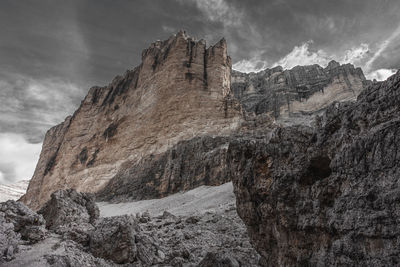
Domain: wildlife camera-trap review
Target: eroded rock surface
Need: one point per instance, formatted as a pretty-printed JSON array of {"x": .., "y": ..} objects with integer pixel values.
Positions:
[
  {"x": 328, "y": 195},
  {"x": 187, "y": 165},
  {"x": 27, "y": 223},
  {"x": 121, "y": 240},
  {"x": 298, "y": 91},
  {"x": 68, "y": 206},
  {"x": 179, "y": 91},
  {"x": 18, "y": 226},
  {"x": 128, "y": 240}
]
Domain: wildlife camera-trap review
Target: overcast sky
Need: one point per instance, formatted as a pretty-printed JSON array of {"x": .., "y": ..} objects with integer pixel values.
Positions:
[{"x": 53, "y": 51}]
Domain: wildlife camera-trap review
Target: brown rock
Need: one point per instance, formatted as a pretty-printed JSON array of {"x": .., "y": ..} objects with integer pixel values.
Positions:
[{"x": 180, "y": 90}]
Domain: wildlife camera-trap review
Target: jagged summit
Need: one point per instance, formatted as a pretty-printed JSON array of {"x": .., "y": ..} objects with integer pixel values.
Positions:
[
  {"x": 125, "y": 136},
  {"x": 332, "y": 65},
  {"x": 300, "y": 90},
  {"x": 178, "y": 91}
]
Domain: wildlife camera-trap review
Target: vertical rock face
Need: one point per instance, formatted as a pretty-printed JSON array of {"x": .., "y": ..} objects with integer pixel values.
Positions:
[
  {"x": 189, "y": 164},
  {"x": 180, "y": 90},
  {"x": 329, "y": 195},
  {"x": 301, "y": 90}
]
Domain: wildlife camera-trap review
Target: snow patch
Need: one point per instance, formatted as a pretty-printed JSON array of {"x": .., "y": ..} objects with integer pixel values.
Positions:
[
  {"x": 13, "y": 191},
  {"x": 197, "y": 201}
]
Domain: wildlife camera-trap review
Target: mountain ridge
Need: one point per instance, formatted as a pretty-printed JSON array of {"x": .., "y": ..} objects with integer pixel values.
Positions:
[{"x": 182, "y": 90}]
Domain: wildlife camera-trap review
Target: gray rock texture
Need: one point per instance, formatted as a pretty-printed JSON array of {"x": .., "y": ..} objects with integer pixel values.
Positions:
[
  {"x": 9, "y": 240},
  {"x": 300, "y": 90},
  {"x": 214, "y": 260},
  {"x": 18, "y": 226},
  {"x": 326, "y": 195},
  {"x": 121, "y": 240},
  {"x": 187, "y": 165},
  {"x": 71, "y": 215},
  {"x": 68, "y": 206},
  {"x": 27, "y": 223},
  {"x": 143, "y": 240}
]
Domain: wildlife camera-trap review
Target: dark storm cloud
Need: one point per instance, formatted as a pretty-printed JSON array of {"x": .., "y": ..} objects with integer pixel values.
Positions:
[{"x": 53, "y": 51}]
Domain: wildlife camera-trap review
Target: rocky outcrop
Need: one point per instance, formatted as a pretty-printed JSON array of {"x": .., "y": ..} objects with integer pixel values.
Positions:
[
  {"x": 9, "y": 240},
  {"x": 299, "y": 91},
  {"x": 71, "y": 215},
  {"x": 28, "y": 224},
  {"x": 141, "y": 240},
  {"x": 187, "y": 165},
  {"x": 326, "y": 195},
  {"x": 121, "y": 240},
  {"x": 180, "y": 90},
  {"x": 67, "y": 206},
  {"x": 214, "y": 260},
  {"x": 18, "y": 226}
]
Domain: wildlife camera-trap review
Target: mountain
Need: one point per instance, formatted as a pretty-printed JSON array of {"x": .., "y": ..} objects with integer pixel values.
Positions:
[
  {"x": 179, "y": 91},
  {"x": 70, "y": 230},
  {"x": 164, "y": 126},
  {"x": 13, "y": 191},
  {"x": 299, "y": 91},
  {"x": 326, "y": 195},
  {"x": 312, "y": 154}
]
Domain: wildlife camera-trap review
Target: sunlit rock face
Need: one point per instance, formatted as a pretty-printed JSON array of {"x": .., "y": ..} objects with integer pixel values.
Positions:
[
  {"x": 299, "y": 91},
  {"x": 128, "y": 139},
  {"x": 179, "y": 91}
]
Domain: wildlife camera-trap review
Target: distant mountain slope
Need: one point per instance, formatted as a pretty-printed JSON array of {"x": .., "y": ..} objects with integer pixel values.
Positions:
[
  {"x": 297, "y": 91},
  {"x": 13, "y": 191}
]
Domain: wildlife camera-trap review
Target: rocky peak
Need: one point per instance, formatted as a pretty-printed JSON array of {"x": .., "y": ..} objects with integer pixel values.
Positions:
[
  {"x": 301, "y": 90},
  {"x": 181, "y": 89},
  {"x": 325, "y": 195},
  {"x": 332, "y": 65}
]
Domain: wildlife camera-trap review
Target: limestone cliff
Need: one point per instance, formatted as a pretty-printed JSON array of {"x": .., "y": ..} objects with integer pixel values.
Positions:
[
  {"x": 326, "y": 195},
  {"x": 298, "y": 91},
  {"x": 180, "y": 90},
  {"x": 122, "y": 142}
]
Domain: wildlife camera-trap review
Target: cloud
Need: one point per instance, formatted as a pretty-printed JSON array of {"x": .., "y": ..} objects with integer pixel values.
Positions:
[
  {"x": 381, "y": 74},
  {"x": 255, "y": 64},
  {"x": 31, "y": 106},
  {"x": 356, "y": 55},
  {"x": 18, "y": 158},
  {"x": 382, "y": 47},
  {"x": 303, "y": 55},
  {"x": 219, "y": 11},
  {"x": 169, "y": 29}
]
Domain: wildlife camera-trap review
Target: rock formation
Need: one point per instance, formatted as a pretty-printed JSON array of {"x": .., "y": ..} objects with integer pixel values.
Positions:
[
  {"x": 164, "y": 126},
  {"x": 18, "y": 226},
  {"x": 326, "y": 195},
  {"x": 187, "y": 165},
  {"x": 179, "y": 91},
  {"x": 298, "y": 91},
  {"x": 66, "y": 206},
  {"x": 128, "y": 240},
  {"x": 320, "y": 193}
]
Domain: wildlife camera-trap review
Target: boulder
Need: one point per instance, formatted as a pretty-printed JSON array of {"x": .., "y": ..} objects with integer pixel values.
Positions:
[
  {"x": 9, "y": 240},
  {"x": 27, "y": 223},
  {"x": 121, "y": 240},
  {"x": 69, "y": 206},
  {"x": 215, "y": 260}
]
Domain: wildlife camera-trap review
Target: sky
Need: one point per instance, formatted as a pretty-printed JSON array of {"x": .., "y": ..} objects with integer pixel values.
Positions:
[{"x": 53, "y": 51}]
